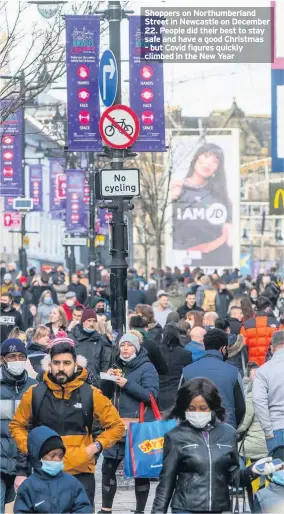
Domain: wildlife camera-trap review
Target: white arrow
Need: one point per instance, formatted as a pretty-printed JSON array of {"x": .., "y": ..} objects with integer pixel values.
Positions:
[{"x": 108, "y": 68}]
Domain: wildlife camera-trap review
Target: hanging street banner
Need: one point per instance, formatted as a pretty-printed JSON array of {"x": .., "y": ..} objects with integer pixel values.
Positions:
[
  {"x": 82, "y": 58},
  {"x": 277, "y": 90},
  {"x": 12, "y": 219},
  {"x": 102, "y": 222},
  {"x": 146, "y": 86},
  {"x": 11, "y": 152},
  {"x": 75, "y": 206},
  {"x": 36, "y": 186},
  {"x": 86, "y": 201},
  {"x": 119, "y": 126},
  {"x": 56, "y": 205},
  {"x": 9, "y": 203},
  {"x": 276, "y": 198}
]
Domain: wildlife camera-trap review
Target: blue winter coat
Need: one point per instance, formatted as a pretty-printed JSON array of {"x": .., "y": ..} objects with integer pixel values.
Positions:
[
  {"x": 12, "y": 388},
  {"x": 142, "y": 380},
  {"x": 196, "y": 349},
  {"x": 227, "y": 380},
  {"x": 44, "y": 493}
]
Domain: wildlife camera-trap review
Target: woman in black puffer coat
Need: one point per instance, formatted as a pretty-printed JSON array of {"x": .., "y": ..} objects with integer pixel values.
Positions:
[
  {"x": 136, "y": 381},
  {"x": 200, "y": 455}
]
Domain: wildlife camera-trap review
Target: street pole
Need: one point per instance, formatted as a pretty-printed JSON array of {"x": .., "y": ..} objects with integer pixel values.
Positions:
[
  {"x": 118, "y": 276},
  {"x": 22, "y": 251},
  {"x": 72, "y": 261},
  {"x": 92, "y": 232}
]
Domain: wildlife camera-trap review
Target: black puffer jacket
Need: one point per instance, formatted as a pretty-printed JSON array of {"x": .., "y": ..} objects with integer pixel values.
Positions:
[
  {"x": 12, "y": 461},
  {"x": 92, "y": 347},
  {"x": 198, "y": 468}
]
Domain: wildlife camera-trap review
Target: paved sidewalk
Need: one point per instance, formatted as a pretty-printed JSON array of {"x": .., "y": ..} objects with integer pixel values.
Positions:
[{"x": 124, "y": 501}]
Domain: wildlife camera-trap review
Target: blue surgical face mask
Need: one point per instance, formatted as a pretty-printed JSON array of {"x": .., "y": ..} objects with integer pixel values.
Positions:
[
  {"x": 89, "y": 330},
  {"x": 52, "y": 467},
  {"x": 278, "y": 477},
  {"x": 48, "y": 301}
]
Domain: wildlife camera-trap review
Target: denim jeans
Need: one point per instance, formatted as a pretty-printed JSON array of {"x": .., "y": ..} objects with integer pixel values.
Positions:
[
  {"x": 277, "y": 440},
  {"x": 7, "y": 493}
]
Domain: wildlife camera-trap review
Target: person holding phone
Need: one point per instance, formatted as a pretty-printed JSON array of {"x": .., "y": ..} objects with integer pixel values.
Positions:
[{"x": 201, "y": 458}]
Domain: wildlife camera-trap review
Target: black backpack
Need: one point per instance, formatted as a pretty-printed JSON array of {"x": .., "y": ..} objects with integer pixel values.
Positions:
[{"x": 86, "y": 395}]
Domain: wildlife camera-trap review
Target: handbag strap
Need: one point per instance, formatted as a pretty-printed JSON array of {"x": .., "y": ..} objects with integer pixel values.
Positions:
[{"x": 154, "y": 408}]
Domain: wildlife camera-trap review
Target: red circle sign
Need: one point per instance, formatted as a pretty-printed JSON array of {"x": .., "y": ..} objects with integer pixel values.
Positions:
[{"x": 119, "y": 126}]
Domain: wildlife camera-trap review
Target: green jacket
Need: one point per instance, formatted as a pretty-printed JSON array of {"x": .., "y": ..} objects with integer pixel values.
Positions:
[{"x": 254, "y": 445}]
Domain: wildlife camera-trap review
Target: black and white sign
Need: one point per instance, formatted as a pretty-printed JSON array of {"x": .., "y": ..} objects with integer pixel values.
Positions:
[
  {"x": 123, "y": 183},
  {"x": 74, "y": 241}
]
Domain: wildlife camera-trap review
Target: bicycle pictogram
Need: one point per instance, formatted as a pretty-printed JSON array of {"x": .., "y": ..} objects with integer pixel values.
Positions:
[{"x": 110, "y": 129}]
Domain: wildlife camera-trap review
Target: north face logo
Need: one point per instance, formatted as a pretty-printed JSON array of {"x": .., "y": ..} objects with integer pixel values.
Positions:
[{"x": 12, "y": 348}]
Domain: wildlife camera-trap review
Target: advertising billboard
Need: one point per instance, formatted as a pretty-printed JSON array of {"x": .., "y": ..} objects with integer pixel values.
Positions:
[{"x": 204, "y": 211}]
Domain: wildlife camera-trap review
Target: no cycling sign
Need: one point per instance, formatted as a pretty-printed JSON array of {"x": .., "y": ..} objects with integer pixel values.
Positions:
[{"x": 119, "y": 126}]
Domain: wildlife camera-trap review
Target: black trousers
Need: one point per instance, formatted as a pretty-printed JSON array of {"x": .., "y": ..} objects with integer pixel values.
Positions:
[
  {"x": 109, "y": 485},
  {"x": 88, "y": 481}
]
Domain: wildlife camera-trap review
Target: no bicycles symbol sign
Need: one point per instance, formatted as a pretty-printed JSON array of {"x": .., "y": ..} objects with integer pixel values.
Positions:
[{"x": 119, "y": 126}]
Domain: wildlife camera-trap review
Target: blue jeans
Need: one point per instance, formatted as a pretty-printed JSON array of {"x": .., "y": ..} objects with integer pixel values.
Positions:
[
  {"x": 7, "y": 493},
  {"x": 277, "y": 440}
]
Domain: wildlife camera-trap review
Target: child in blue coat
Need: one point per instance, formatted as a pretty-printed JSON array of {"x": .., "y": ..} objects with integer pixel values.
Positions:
[{"x": 49, "y": 489}]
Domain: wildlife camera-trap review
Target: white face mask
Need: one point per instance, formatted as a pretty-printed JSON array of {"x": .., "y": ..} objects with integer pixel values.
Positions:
[
  {"x": 198, "y": 419},
  {"x": 129, "y": 358},
  {"x": 16, "y": 368},
  {"x": 70, "y": 303}
]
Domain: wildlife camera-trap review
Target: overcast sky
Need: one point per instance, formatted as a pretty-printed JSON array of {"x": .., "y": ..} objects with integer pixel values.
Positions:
[{"x": 200, "y": 88}]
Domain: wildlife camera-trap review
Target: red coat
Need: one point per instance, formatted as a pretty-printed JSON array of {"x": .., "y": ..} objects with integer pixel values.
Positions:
[
  {"x": 68, "y": 311},
  {"x": 258, "y": 333}
]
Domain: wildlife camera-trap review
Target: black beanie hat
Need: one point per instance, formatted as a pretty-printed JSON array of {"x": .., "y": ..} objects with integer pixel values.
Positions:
[{"x": 53, "y": 443}]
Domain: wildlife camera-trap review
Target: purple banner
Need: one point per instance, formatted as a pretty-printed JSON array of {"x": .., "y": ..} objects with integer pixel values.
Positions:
[
  {"x": 75, "y": 206},
  {"x": 36, "y": 186},
  {"x": 82, "y": 57},
  {"x": 86, "y": 202},
  {"x": 57, "y": 207},
  {"x": 11, "y": 152},
  {"x": 8, "y": 203},
  {"x": 102, "y": 222},
  {"x": 146, "y": 85}
]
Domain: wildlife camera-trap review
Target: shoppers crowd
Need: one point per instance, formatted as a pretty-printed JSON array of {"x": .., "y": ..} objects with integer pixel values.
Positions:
[{"x": 212, "y": 358}]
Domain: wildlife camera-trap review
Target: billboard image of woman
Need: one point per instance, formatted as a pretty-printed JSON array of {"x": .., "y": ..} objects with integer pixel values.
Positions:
[{"x": 203, "y": 213}]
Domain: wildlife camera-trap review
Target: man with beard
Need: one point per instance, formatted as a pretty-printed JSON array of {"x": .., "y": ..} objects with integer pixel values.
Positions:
[
  {"x": 90, "y": 344},
  {"x": 66, "y": 403}
]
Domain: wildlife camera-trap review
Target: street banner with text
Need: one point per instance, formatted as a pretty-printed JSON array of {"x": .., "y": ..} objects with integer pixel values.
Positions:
[
  {"x": 75, "y": 206},
  {"x": 11, "y": 152},
  {"x": 146, "y": 86},
  {"x": 9, "y": 203},
  {"x": 36, "y": 186},
  {"x": 82, "y": 57},
  {"x": 57, "y": 206}
]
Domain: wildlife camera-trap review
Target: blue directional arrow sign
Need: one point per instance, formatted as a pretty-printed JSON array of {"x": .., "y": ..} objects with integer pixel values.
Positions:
[{"x": 108, "y": 78}]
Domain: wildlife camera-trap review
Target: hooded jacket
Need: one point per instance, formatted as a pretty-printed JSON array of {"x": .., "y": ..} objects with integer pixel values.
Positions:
[
  {"x": 155, "y": 332},
  {"x": 43, "y": 313},
  {"x": 227, "y": 380},
  {"x": 61, "y": 409},
  {"x": 142, "y": 380},
  {"x": 237, "y": 353},
  {"x": 253, "y": 446},
  {"x": 44, "y": 493},
  {"x": 12, "y": 388},
  {"x": 92, "y": 347},
  {"x": 36, "y": 353},
  {"x": 176, "y": 359},
  {"x": 154, "y": 351},
  {"x": 258, "y": 332}
]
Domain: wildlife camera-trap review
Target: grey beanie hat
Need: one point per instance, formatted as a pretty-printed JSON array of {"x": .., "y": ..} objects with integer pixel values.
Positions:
[{"x": 131, "y": 339}]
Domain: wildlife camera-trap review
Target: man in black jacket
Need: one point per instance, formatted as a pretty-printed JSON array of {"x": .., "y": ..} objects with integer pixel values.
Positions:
[
  {"x": 9, "y": 317},
  {"x": 235, "y": 320},
  {"x": 14, "y": 381},
  {"x": 90, "y": 344},
  {"x": 79, "y": 289},
  {"x": 189, "y": 305}
]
